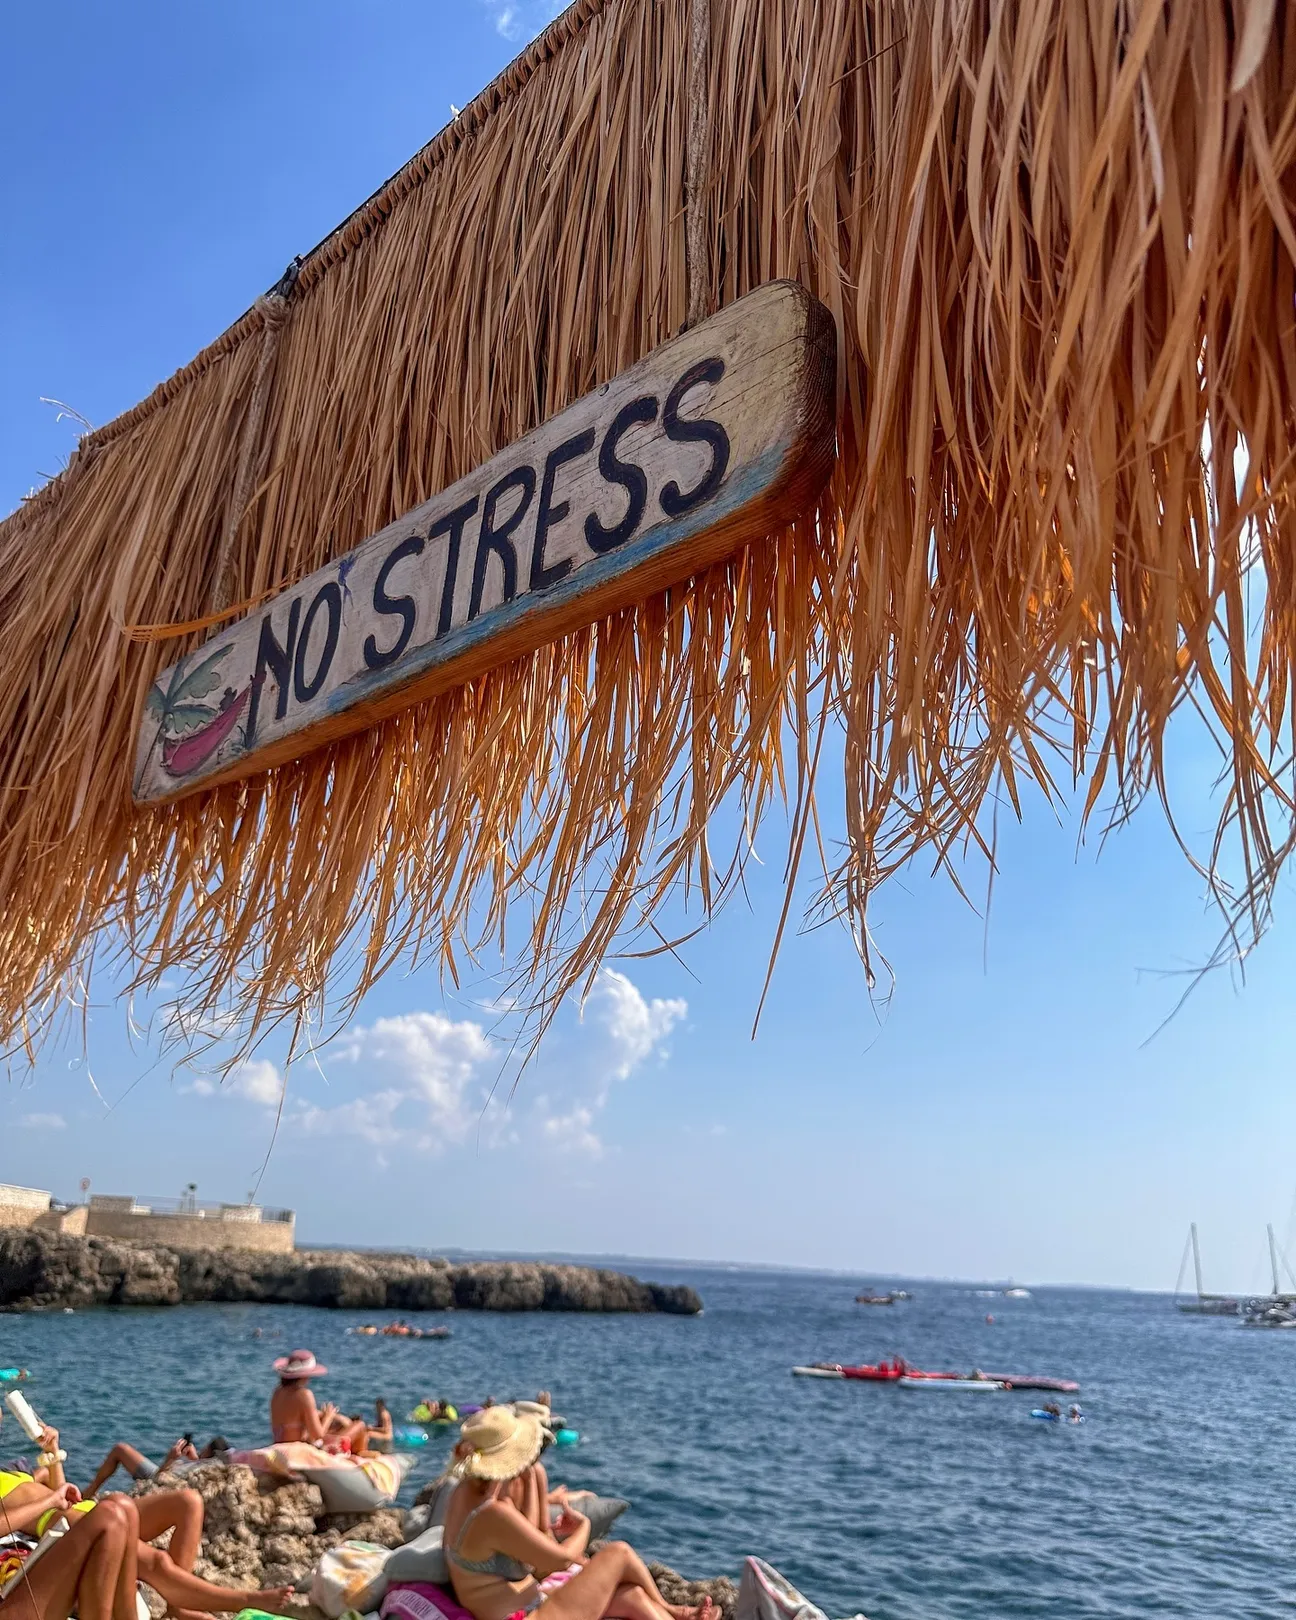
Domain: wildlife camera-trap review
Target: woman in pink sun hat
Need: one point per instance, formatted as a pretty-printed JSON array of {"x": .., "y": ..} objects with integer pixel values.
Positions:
[{"x": 295, "y": 1416}]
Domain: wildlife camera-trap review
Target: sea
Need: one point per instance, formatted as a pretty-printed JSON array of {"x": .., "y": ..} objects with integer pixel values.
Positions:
[{"x": 1176, "y": 1496}]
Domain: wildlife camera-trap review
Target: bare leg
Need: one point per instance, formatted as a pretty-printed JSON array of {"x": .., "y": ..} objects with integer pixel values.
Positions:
[
  {"x": 612, "y": 1570},
  {"x": 124, "y": 1606},
  {"x": 181, "y": 1512},
  {"x": 81, "y": 1571},
  {"x": 633, "y": 1603},
  {"x": 121, "y": 1456},
  {"x": 181, "y": 1590}
]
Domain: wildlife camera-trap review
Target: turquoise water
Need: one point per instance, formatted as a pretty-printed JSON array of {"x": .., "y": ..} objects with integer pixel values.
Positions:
[{"x": 1175, "y": 1497}]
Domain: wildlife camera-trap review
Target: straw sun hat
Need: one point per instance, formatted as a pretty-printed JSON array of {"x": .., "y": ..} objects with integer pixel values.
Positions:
[{"x": 503, "y": 1443}]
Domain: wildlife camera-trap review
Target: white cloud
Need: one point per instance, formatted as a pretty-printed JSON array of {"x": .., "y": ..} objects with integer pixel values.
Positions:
[
  {"x": 422, "y": 1062},
  {"x": 573, "y": 1132},
  {"x": 519, "y": 20},
  {"x": 621, "y": 1031},
  {"x": 429, "y": 1059},
  {"x": 425, "y": 1079},
  {"x": 256, "y": 1080},
  {"x": 634, "y": 1028},
  {"x": 367, "y": 1119},
  {"x": 43, "y": 1122}
]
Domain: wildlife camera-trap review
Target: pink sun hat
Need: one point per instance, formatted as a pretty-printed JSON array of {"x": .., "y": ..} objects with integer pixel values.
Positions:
[{"x": 299, "y": 1364}]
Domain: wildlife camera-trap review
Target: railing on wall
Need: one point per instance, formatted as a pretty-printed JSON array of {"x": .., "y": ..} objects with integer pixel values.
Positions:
[{"x": 251, "y": 1214}]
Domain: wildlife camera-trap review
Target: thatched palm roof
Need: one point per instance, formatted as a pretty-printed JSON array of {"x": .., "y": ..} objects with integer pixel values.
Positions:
[{"x": 1057, "y": 239}]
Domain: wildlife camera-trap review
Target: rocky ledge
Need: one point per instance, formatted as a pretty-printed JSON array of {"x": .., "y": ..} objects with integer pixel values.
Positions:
[
  {"x": 258, "y": 1534},
  {"x": 52, "y": 1270}
]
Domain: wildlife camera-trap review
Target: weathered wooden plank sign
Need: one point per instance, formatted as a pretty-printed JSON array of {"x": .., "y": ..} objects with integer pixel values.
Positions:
[{"x": 715, "y": 439}]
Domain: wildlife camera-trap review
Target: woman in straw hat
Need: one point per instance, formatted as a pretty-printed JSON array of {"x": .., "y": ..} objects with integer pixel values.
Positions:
[{"x": 504, "y": 1567}]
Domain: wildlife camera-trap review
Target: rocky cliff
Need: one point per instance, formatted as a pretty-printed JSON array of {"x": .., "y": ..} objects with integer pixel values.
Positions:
[{"x": 51, "y": 1270}]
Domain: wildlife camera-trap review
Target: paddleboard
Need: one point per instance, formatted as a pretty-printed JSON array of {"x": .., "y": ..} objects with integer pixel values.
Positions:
[{"x": 984, "y": 1386}]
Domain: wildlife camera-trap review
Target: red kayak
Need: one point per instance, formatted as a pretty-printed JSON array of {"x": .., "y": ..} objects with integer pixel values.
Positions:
[{"x": 889, "y": 1371}]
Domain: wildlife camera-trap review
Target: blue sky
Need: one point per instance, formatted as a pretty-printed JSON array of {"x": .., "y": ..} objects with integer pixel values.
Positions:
[{"x": 1016, "y": 1109}]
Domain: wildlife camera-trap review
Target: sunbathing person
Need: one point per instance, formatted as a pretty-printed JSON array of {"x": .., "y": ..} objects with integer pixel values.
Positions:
[
  {"x": 138, "y": 1466},
  {"x": 30, "y": 1503},
  {"x": 31, "y": 1508},
  {"x": 91, "y": 1569},
  {"x": 502, "y": 1565},
  {"x": 295, "y": 1416}
]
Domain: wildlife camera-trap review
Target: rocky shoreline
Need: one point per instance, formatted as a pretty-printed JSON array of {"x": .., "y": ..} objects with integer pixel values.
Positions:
[
  {"x": 257, "y": 1533},
  {"x": 55, "y": 1270}
]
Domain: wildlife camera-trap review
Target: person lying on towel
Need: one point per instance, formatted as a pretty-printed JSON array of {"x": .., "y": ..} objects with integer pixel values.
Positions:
[{"x": 30, "y": 1505}]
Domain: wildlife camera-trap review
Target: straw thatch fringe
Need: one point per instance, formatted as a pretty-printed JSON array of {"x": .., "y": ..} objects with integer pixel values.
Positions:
[{"x": 1057, "y": 240}]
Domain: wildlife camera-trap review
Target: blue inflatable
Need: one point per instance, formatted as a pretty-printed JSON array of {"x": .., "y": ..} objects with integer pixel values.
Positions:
[
  {"x": 566, "y": 1437},
  {"x": 1046, "y": 1417},
  {"x": 409, "y": 1436},
  {"x": 13, "y": 1375}
]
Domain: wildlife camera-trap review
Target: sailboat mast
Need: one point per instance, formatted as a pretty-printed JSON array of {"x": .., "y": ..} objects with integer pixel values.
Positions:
[
  {"x": 1196, "y": 1259},
  {"x": 1273, "y": 1259}
]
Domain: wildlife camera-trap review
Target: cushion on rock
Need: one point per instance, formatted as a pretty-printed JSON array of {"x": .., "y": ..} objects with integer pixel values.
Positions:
[
  {"x": 601, "y": 1511},
  {"x": 417, "y": 1520},
  {"x": 357, "y": 1484},
  {"x": 422, "y": 1559}
]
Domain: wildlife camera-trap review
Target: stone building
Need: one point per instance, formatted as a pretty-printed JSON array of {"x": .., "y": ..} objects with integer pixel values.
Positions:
[
  {"x": 176, "y": 1223},
  {"x": 186, "y": 1224}
]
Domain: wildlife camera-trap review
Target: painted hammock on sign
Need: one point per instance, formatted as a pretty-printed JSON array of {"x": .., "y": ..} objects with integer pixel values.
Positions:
[{"x": 710, "y": 441}]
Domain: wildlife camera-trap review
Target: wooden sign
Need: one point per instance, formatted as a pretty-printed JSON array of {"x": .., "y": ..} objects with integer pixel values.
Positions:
[{"x": 715, "y": 439}]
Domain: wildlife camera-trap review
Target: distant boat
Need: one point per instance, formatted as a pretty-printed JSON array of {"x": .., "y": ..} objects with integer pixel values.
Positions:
[
  {"x": 1279, "y": 1309},
  {"x": 1016, "y": 1293},
  {"x": 1205, "y": 1304},
  {"x": 821, "y": 1369},
  {"x": 878, "y": 1299}
]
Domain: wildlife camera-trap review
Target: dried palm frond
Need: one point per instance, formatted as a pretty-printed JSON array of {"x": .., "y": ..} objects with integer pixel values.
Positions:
[{"x": 1057, "y": 239}]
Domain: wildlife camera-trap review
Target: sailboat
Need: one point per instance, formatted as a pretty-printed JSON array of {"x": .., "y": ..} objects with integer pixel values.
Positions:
[
  {"x": 1205, "y": 1304},
  {"x": 1279, "y": 1310}
]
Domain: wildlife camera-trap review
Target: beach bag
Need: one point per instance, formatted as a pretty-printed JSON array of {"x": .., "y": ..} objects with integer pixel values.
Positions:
[
  {"x": 422, "y": 1559},
  {"x": 418, "y": 1600},
  {"x": 352, "y": 1576},
  {"x": 764, "y": 1594}
]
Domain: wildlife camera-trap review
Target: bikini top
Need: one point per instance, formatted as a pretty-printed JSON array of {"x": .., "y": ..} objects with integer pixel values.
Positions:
[
  {"x": 499, "y": 1564},
  {"x": 11, "y": 1482}
]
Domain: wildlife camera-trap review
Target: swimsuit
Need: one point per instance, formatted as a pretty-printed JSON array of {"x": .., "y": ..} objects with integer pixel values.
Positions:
[{"x": 503, "y": 1568}]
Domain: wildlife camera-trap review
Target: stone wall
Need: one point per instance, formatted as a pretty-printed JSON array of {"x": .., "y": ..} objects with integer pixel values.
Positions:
[
  {"x": 190, "y": 1233},
  {"x": 22, "y": 1206},
  {"x": 70, "y": 1219}
]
